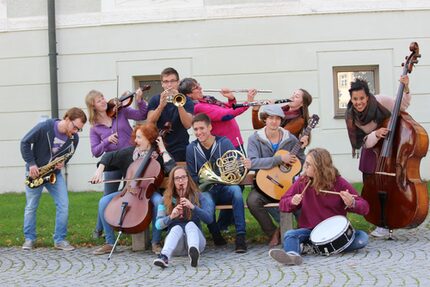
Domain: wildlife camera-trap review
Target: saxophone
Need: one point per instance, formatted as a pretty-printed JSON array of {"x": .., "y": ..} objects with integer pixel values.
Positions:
[{"x": 47, "y": 172}]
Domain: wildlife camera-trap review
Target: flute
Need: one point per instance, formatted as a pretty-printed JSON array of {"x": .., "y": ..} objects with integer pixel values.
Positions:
[
  {"x": 260, "y": 103},
  {"x": 235, "y": 91}
]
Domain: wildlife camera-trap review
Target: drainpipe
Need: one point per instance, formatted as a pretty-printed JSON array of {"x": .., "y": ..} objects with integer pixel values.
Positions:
[
  {"x": 53, "y": 58},
  {"x": 53, "y": 80}
]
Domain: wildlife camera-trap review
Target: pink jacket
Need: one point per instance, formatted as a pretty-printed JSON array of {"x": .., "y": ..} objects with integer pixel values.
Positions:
[{"x": 223, "y": 119}]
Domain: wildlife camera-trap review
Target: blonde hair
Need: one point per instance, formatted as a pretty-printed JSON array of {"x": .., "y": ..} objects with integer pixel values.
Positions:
[
  {"x": 89, "y": 101},
  {"x": 191, "y": 193},
  {"x": 324, "y": 171}
]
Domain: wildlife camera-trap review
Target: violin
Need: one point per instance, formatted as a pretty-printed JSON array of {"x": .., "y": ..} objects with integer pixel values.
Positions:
[
  {"x": 115, "y": 104},
  {"x": 396, "y": 194}
]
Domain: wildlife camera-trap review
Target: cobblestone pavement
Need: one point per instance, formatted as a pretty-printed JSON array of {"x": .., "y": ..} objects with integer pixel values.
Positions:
[{"x": 404, "y": 262}]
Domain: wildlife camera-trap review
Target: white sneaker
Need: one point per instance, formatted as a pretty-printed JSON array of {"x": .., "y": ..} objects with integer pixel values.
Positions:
[
  {"x": 64, "y": 245},
  {"x": 28, "y": 244},
  {"x": 287, "y": 258},
  {"x": 380, "y": 232}
]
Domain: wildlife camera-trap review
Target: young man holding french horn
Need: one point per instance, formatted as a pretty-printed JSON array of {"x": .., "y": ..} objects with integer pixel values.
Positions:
[{"x": 202, "y": 155}]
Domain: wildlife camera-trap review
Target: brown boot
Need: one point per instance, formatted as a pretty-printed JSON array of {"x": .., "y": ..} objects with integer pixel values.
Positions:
[{"x": 276, "y": 238}]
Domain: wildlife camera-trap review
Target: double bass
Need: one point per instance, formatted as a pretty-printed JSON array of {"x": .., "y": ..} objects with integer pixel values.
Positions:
[{"x": 396, "y": 194}]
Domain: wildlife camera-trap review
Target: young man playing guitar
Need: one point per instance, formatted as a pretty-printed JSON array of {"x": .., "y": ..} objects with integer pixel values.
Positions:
[{"x": 262, "y": 146}]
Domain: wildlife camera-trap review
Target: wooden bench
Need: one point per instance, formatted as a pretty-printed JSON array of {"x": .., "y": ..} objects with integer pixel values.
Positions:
[{"x": 141, "y": 241}]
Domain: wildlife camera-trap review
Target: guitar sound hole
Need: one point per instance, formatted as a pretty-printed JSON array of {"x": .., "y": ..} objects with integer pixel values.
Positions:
[{"x": 285, "y": 168}]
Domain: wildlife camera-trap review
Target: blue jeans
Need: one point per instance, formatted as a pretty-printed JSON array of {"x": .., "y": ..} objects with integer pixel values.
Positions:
[
  {"x": 103, "y": 203},
  {"x": 109, "y": 232},
  {"x": 228, "y": 194},
  {"x": 156, "y": 200},
  {"x": 109, "y": 188},
  {"x": 58, "y": 191},
  {"x": 294, "y": 237}
]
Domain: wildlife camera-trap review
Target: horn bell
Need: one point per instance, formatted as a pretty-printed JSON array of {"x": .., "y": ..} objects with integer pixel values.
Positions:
[{"x": 208, "y": 177}]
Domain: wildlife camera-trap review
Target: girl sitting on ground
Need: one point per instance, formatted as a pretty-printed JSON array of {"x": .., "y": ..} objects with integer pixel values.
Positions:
[{"x": 182, "y": 209}]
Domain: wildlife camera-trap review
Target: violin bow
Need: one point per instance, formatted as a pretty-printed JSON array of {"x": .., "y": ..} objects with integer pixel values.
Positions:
[
  {"x": 121, "y": 180},
  {"x": 117, "y": 101}
]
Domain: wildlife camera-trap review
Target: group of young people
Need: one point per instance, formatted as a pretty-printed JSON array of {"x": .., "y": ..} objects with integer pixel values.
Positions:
[{"x": 182, "y": 206}]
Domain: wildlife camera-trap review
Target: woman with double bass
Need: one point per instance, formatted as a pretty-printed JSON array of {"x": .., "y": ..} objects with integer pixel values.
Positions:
[
  {"x": 111, "y": 131},
  {"x": 144, "y": 136},
  {"x": 390, "y": 153}
]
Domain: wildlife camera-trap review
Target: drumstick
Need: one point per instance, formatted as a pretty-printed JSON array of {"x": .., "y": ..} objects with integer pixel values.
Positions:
[
  {"x": 306, "y": 187},
  {"x": 335, "y": 192}
]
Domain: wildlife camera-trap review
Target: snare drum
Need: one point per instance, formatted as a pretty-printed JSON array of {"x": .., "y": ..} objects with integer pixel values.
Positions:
[{"x": 333, "y": 235}]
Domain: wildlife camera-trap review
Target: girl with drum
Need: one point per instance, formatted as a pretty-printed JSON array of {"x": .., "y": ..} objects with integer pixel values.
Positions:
[
  {"x": 182, "y": 209},
  {"x": 321, "y": 193}
]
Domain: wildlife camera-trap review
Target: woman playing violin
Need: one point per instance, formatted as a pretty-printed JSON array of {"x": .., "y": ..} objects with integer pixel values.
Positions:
[
  {"x": 364, "y": 117},
  {"x": 316, "y": 205},
  {"x": 296, "y": 113},
  {"x": 143, "y": 136},
  {"x": 181, "y": 212},
  {"x": 110, "y": 134}
]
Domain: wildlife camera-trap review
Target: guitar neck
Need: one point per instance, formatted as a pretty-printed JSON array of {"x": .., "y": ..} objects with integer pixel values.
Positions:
[{"x": 298, "y": 145}]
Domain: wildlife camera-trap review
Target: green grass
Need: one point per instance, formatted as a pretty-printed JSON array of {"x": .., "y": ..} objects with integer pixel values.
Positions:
[{"x": 82, "y": 219}]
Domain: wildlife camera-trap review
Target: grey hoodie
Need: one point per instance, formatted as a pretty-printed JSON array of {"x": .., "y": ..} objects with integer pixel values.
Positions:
[{"x": 261, "y": 153}]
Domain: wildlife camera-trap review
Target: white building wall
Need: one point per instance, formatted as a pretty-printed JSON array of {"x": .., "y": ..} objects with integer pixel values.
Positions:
[{"x": 279, "y": 45}]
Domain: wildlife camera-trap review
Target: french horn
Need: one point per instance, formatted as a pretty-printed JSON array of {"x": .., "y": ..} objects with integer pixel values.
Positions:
[{"x": 230, "y": 167}]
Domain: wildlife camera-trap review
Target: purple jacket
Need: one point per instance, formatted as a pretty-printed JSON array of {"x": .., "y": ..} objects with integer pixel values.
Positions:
[
  {"x": 318, "y": 207},
  {"x": 99, "y": 133}
]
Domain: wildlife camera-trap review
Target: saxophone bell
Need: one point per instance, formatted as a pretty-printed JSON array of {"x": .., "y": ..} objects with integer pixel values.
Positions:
[{"x": 47, "y": 172}]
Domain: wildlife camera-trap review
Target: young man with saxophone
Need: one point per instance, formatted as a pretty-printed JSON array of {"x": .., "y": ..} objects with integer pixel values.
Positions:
[
  {"x": 46, "y": 148},
  {"x": 210, "y": 148}
]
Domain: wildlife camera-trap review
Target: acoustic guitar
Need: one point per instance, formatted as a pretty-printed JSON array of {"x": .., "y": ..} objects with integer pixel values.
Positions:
[{"x": 275, "y": 181}]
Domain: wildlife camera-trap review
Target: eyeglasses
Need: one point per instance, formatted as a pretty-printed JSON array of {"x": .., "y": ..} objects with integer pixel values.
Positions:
[
  {"x": 180, "y": 178},
  {"x": 169, "y": 82},
  {"x": 196, "y": 87},
  {"x": 78, "y": 129}
]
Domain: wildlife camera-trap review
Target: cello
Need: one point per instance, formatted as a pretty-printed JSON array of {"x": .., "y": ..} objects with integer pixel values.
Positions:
[
  {"x": 396, "y": 194},
  {"x": 130, "y": 211}
]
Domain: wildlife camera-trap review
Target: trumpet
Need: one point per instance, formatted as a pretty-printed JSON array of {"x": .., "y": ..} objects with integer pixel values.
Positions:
[
  {"x": 176, "y": 98},
  {"x": 260, "y": 103},
  {"x": 235, "y": 91}
]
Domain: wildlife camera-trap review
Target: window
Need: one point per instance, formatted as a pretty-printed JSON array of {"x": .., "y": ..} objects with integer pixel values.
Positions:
[
  {"x": 155, "y": 83},
  {"x": 343, "y": 76}
]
